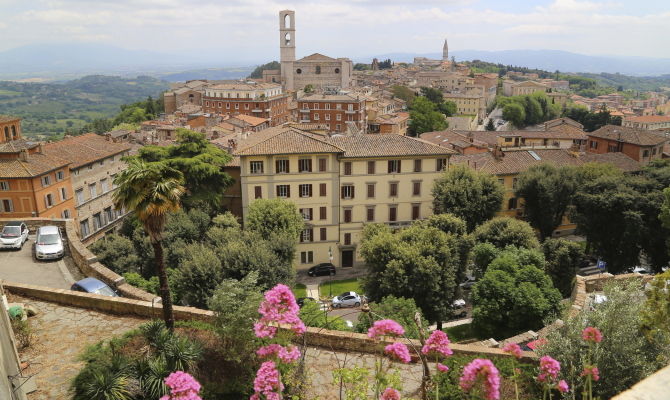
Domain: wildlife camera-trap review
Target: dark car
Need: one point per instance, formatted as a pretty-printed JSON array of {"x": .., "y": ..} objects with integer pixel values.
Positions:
[
  {"x": 322, "y": 270},
  {"x": 301, "y": 300},
  {"x": 95, "y": 286}
]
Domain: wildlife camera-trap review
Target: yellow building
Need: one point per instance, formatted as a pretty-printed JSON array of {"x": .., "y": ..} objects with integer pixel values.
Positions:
[{"x": 340, "y": 183}]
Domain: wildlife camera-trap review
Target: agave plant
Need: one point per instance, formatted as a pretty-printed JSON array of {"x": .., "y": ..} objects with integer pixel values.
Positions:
[
  {"x": 151, "y": 374},
  {"x": 181, "y": 353},
  {"x": 104, "y": 384}
]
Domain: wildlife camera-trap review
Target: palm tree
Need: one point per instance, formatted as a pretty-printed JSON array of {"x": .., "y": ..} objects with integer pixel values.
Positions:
[{"x": 152, "y": 190}]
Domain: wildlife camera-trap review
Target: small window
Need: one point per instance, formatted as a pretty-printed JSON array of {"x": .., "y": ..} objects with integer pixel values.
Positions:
[
  {"x": 63, "y": 193},
  {"x": 322, "y": 189},
  {"x": 416, "y": 211},
  {"x": 6, "y": 205},
  {"x": 79, "y": 194},
  {"x": 306, "y": 257},
  {"x": 323, "y": 213},
  {"x": 370, "y": 214},
  {"x": 283, "y": 191},
  {"x": 93, "y": 190},
  {"x": 49, "y": 200},
  {"x": 347, "y": 168},
  {"x": 393, "y": 213},
  {"x": 305, "y": 165},
  {"x": 84, "y": 229},
  {"x": 305, "y": 190},
  {"x": 66, "y": 213},
  {"x": 441, "y": 164},
  {"x": 4, "y": 185},
  {"x": 511, "y": 203},
  {"x": 306, "y": 214},
  {"x": 416, "y": 188},
  {"x": 371, "y": 190},
  {"x": 337, "y": 70},
  {"x": 393, "y": 189},
  {"x": 256, "y": 167},
  {"x": 46, "y": 180},
  {"x": 394, "y": 166},
  {"x": 282, "y": 166},
  {"x": 307, "y": 235},
  {"x": 417, "y": 165},
  {"x": 318, "y": 69},
  {"x": 60, "y": 175},
  {"x": 298, "y": 71},
  {"x": 104, "y": 185},
  {"x": 258, "y": 192},
  {"x": 347, "y": 238},
  {"x": 347, "y": 215},
  {"x": 347, "y": 191},
  {"x": 323, "y": 234},
  {"x": 645, "y": 153},
  {"x": 371, "y": 167},
  {"x": 593, "y": 144}
]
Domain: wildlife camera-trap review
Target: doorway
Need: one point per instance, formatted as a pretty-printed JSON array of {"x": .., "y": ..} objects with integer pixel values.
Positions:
[{"x": 347, "y": 258}]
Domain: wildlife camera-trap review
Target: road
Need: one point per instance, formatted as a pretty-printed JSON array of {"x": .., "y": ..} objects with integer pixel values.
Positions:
[{"x": 20, "y": 266}]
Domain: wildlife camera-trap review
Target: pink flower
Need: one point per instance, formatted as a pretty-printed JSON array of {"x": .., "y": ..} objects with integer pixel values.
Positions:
[
  {"x": 482, "y": 368},
  {"x": 262, "y": 330},
  {"x": 385, "y": 327},
  {"x": 390, "y": 394},
  {"x": 286, "y": 355},
  {"x": 591, "y": 334},
  {"x": 591, "y": 371},
  {"x": 536, "y": 343},
  {"x": 182, "y": 386},
  {"x": 442, "y": 367},
  {"x": 398, "y": 350},
  {"x": 267, "y": 382},
  {"x": 438, "y": 342},
  {"x": 563, "y": 386},
  {"x": 549, "y": 368},
  {"x": 278, "y": 307},
  {"x": 513, "y": 349}
]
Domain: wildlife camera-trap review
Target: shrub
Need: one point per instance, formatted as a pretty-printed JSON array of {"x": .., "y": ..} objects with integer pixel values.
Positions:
[{"x": 505, "y": 231}]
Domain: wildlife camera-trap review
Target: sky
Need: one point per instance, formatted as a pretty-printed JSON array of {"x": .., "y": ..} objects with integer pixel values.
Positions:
[{"x": 248, "y": 29}]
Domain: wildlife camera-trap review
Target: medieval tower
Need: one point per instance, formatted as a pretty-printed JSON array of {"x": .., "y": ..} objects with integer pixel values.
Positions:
[
  {"x": 445, "y": 51},
  {"x": 287, "y": 46}
]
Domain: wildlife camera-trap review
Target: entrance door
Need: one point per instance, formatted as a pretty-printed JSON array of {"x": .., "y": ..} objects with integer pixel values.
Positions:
[{"x": 347, "y": 258}]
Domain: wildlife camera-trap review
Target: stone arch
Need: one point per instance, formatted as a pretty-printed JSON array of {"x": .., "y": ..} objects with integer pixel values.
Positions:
[
  {"x": 287, "y": 39},
  {"x": 287, "y": 21},
  {"x": 13, "y": 131},
  {"x": 7, "y": 133}
]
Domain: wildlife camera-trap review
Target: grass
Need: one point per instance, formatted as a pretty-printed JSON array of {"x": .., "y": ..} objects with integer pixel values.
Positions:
[
  {"x": 461, "y": 332},
  {"x": 341, "y": 286},
  {"x": 300, "y": 290}
]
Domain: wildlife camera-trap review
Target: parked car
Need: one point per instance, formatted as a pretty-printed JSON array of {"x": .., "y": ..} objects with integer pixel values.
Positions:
[
  {"x": 458, "y": 308},
  {"x": 468, "y": 283},
  {"x": 347, "y": 299},
  {"x": 49, "y": 243},
  {"x": 13, "y": 235},
  {"x": 639, "y": 270},
  {"x": 322, "y": 269},
  {"x": 95, "y": 286}
]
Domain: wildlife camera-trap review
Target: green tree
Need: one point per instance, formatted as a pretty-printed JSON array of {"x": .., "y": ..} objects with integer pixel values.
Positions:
[
  {"x": 199, "y": 275},
  {"x": 505, "y": 231},
  {"x": 116, "y": 253},
  {"x": 403, "y": 93},
  {"x": 257, "y": 73},
  {"x": 432, "y": 94},
  {"x": 362, "y": 67},
  {"x": 562, "y": 263},
  {"x": 424, "y": 117},
  {"x": 453, "y": 225},
  {"x": 490, "y": 126},
  {"x": 152, "y": 190},
  {"x": 275, "y": 217},
  {"x": 512, "y": 297},
  {"x": 448, "y": 108},
  {"x": 468, "y": 194},
  {"x": 656, "y": 311},
  {"x": 398, "y": 309},
  {"x": 514, "y": 113},
  {"x": 547, "y": 191}
]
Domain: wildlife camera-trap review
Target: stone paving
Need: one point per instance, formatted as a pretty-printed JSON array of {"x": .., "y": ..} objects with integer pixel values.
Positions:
[{"x": 60, "y": 334}]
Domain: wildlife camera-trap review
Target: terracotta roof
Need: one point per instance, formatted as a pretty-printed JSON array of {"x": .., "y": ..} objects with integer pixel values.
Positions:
[
  {"x": 491, "y": 138},
  {"x": 449, "y": 138},
  {"x": 331, "y": 97},
  {"x": 619, "y": 160},
  {"x": 386, "y": 146},
  {"x": 568, "y": 131},
  {"x": 558, "y": 132},
  {"x": 624, "y": 134},
  {"x": 514, "y": 162},
  {"x": 15, "y": 146},
  {"x": 284, "y": 140},
  {"x": 562, "y": 121},
  {"x": 251, "y": 120},
  {"x": 246, "y": 86},
  {"x": 85, "y": 149},
  {"x": 650, "y": 118},
  {"x": 8, "y": 118},
  {"x": 36, "y": 165}
]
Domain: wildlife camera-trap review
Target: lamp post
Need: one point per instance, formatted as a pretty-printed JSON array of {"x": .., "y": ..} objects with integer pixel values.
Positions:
[{"x": 330, "y": 257}]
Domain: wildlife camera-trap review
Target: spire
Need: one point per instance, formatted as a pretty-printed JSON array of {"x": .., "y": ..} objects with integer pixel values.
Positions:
[{"x": 445, "y": 51}]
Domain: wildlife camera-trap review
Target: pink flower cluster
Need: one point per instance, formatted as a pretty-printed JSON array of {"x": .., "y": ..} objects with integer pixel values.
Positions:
[
  {"x": 286, "y": 354},
  {"x": 442, "y": 367},
  {"x": 536, "y": 343},
  {"x": 399, "y": 351},
  {"x": 182, "y": 387},
  {"x": 385, "y": 327},
  {"x": 278, "y": 307},
  {"x": 485, "y": 369},
  {"x": 513, "y": 349},
  {"x": 549, "y": 369},
  {"x": 591, "y": 334},
  {"x": 390, "y": 394},
  {"x": 562, "y": 386},
  {"x": 438, "y": 342},
  {"x": 267, "y": 382},
  {"x": 593, "y": 372}
]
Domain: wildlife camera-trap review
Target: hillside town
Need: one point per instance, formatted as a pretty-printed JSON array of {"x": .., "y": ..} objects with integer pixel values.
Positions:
[{"x": 492, "y": 214}]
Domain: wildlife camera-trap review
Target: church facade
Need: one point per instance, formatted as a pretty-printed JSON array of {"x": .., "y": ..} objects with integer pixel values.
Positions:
[{"x": 316, "y": 70}]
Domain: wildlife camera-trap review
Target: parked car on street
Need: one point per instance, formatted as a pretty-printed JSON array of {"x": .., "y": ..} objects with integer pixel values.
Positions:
[
  {"x": 95, "y": 286},
  {"x": 639, "y": 270},
  {"x": 49, "y": 243},
  {"x": 323, "y": 269},
  {"x": 458, "y": 309},
  {"x": 14, "y": 234},
  {"x": 347, "y": 299}
]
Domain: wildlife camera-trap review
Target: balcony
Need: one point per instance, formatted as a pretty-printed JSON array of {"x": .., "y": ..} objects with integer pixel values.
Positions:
[
  {"x": 305, "y": 110},
  {"x": 350, "y": 111},
  {"x": 303, "y": 121}
]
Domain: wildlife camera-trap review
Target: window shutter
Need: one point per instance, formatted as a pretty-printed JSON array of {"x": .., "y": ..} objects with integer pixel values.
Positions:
[
  {"x": 310, "y": 188},
  {"x": 353, "y": 191},
  {"x": 371, "y": 167},
  {"x": 288, "y": 190},
  {"x": 278, "y": 192},
  {"x": 323, "y": 234},
  {"x": 258, "y": 192},
  {"x": 342, "y": 191},
  {"x": 347, "y": 168},
  {"x": 399, "y": 166},
  {"x": 322, "y": 212},
  {"x": 322, "y": 189},
  {"x": 390, "y": 166},
  {"x": 322, "y": 164}
]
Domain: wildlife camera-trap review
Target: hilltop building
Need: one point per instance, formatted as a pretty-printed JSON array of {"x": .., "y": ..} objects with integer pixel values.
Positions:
[
  {"x": 262, "y": 100},
  {"x": 334, "y": 110},
  {"x": 639, "y": 144},
  {"x": 10, "y": 128}
]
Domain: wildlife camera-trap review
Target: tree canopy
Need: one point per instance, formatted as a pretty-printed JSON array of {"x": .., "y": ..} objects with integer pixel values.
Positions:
[
  {"x": 425, "y": 117},
  {"x": 505, "y": 231}
]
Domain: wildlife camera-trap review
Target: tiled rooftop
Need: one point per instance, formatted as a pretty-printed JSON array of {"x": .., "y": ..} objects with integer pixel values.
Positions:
[
  {"x": 84, "y": 149},
  {"x": 628, "y": 135}
]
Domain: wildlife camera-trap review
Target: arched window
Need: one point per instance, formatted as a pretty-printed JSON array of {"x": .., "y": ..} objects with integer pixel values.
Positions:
[
  {"x": 13, "y": 132},
  {"x": 7, "y": 133},
  {"x": 318, "y": 69},
  {"x": 287, "y": 39},
  {"x": 190, "y": 98},
  {"x": 287, "y": 21}
]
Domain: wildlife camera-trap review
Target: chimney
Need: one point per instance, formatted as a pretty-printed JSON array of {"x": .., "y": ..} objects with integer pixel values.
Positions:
[
  {"x": 498, "y": 153},
  {"x": 23, "y": 155}
]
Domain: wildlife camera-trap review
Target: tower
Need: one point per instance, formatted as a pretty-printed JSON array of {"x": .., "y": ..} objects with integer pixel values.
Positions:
[
  {"x": 287, "y": 46},
  {"x": 445, "y": 51}
]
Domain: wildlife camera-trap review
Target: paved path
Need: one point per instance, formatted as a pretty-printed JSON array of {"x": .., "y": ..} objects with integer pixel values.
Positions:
[
  {"x": 60, "y": 334},
  {"x": 313, "y": 291},
  {"x": 20, "y": 266}
]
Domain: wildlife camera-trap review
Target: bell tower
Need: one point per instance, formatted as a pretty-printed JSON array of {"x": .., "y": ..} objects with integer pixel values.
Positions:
[
  {"x": 287, "y": 46},
  {"x": 445, "y": 51}
]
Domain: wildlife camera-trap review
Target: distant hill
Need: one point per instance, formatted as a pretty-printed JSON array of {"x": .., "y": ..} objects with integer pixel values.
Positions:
[
  {"x": 552, "y": 60},
  {"x": 208, "y": 73}
]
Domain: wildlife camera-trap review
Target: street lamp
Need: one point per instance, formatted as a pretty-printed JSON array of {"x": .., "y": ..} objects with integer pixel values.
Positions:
[{"x": 330, "y": 257}]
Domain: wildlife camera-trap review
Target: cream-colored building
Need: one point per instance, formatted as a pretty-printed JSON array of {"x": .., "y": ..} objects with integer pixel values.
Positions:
[
  {"x": 648, "y": 122},
  {"x": 340, "y": 183},
  {"x": 95, "y": 161},
  {"x": 514, "y": 88},
  {"x": 467, "y": 103}
]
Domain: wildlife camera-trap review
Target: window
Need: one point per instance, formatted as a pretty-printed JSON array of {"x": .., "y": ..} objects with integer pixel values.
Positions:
[
  {"x": 114, "y": 185},
  {"x": 347, "y": 215},
  {"x": 511, "y": 203},
  {"x": 79, "y": 194},
  {"x": 306, "y": 257},
  {"x": 4, "y": 185},
  {"x": 393, "y": 213},
  {"x": 338, "y": 117},
  {"x": 246, "y": 105},
  {"x": 66, "y": 213},
  {"x": 46, "y": 180},
  {"x": 63, "y": 193},
  {"x": 316, "y": 116},
  {"x": 323, "y": 232},
  {"x": 306, "y": 235},
  {"x": 441, "y": 164},
  {"x": 322, "y": 189},
  {"x": 90, "y": 167},
  {"x": 60, "y": 175},
  {"x": 347, "y": 238},
  {"x": 612, "y": 148},
  {"x": 417, "y": 165},
  {"x": 318, "y": 69},
  {"x": 49, "y": 200},
  {"x": 283, "y": 190},
  {"x": 93, "y": 190},
  {"x": 370, "y": 214},
  {"x": 305, "y": 165},
  {"x": 97, "y": 221},
  {"x": 109, "y": 215},
  {"x": 514, "y": 181},
  {"x": 256, "y": 167},
  {"x": 6, "y": 205},
  {"x": 323, "y": 213},
  {"x": 322, "y": 164},
  {"x": 282, "y": 166},
  {"x": 258, "y": 192},
  {"x": 306, "y": 214},
  {"x": 371, "y": 167},
  {"x": 393, "y": 189},
  {"x": 338, "y": 106},
  {"x": 347, "y": 191},
  {"x": 501, "y": 181},
  {"x": 371, "y": 190},
  {"x": 593, "y": 144},
  {"x": 645, "y": 153},
  {"x": 327, "y": 116},
  {"x": 347, "y": 168},
  {"x": 416, "y": 211},
  {"x": 83, "y": 228},
  {"x": 104, "y": 186},
  {"x": 416, "y": 188},
  {"x": 305, "y": 190},
  {"x": 350, "y": 107},
  {"x": 394, "y": 166},
  {"x": 237, "y": 105}
]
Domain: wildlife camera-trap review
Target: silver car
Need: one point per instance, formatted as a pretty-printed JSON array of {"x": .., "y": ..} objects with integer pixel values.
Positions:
[
  {"x": 347, "y": 299},
  {"x": 13, "y": 235},
  {"x": 49, "y": 243}
]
